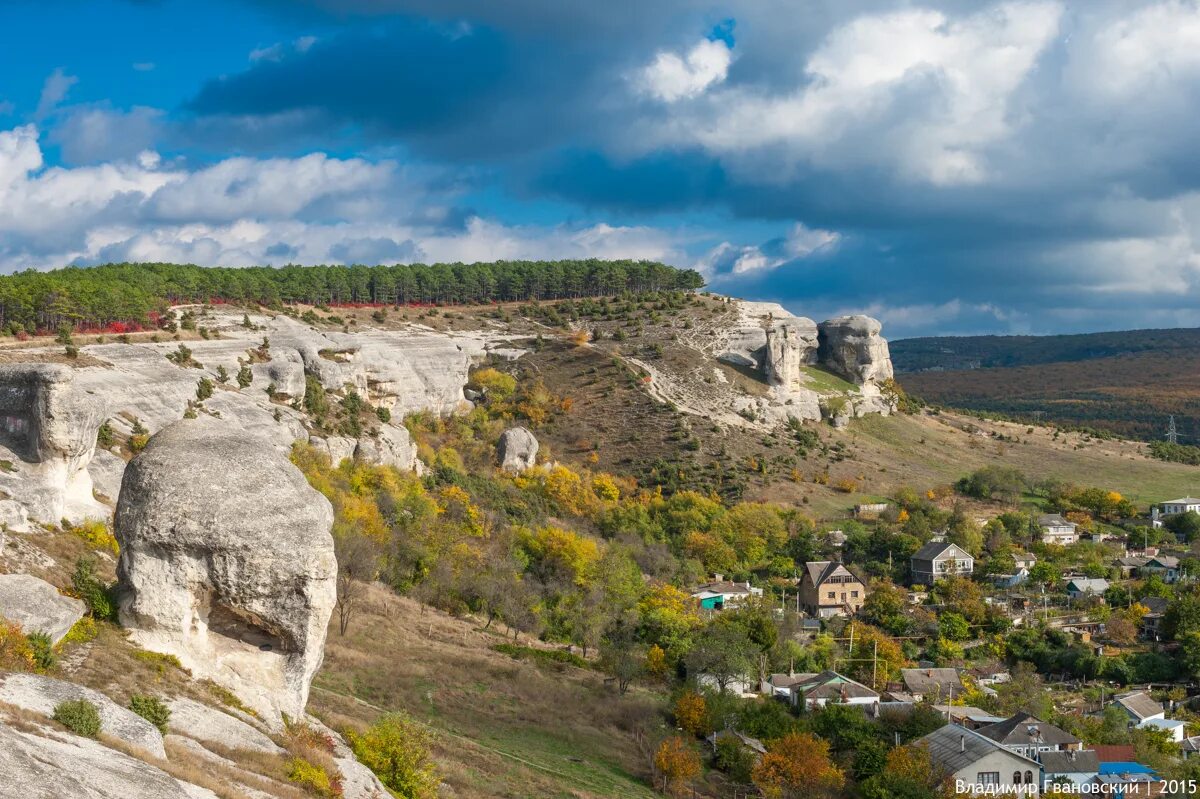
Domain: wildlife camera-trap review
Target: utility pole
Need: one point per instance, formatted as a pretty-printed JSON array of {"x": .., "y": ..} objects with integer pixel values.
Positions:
[
  {"x": 851, "y": 639},
  {"x": 875, "y": 666}
]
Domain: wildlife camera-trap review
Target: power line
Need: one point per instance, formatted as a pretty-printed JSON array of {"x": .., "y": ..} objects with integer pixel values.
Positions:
[{"x": 1172, "y": 433}]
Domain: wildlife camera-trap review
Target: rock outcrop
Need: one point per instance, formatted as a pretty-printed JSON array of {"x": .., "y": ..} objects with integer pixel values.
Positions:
[
  {"x": 852, "y": 347},
  {"x": 37, "y": 606},
  {"x": 39, "y": 694},
  {"x": 209, "y": 725},
  {"x": 791, "y": 345},
  {"x": 227, "y": 562},
  {"x": 517, "y": 450},
  {"x": 54, "y": 764},
  {"x": 391, "y": 446},
  {"x": 48, "y": 427}
]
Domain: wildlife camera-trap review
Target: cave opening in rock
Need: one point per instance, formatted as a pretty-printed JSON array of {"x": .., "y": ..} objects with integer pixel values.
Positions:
[{"x": 245, "y": 627}]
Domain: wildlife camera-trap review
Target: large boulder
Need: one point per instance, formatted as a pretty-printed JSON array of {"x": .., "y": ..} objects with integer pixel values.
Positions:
[
  {"x": 390, "y": 446},
  {"x": 517, "y": 450},
  {"x": 39, "y": 694},
  {"x": 43, "y": 763},
  {"x": 37, "y": 606},
  {"x": 791, "y": 345},
  {"x": 209, "y": 725},
  {"x": 47, "y": 437},
  {"x": 227, "y": 562},
  {"x": 852, "y": 347}
]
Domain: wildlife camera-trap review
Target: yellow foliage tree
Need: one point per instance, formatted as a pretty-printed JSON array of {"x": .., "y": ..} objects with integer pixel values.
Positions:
[
  {"x": 691, "y": 713},
  {"x": 797, "y": 766},
  {"x": 677, "y": 765}
]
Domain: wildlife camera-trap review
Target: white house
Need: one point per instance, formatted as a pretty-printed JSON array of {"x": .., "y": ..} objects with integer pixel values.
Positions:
[
  {"x": 829, "y": 687},
  {"x": 1182, "y": 505},
  {"x": 1057, "y": 530},
  {"x": 722, "y": 593},
  {"x": 1081, "y": 587},
  {"x": 1165, "y": 566},
  {"x": 979, "y": 765},
  {"x": 1030, "y": 737},
  {"x": 1174, "y": 727},
  {"x": 1139, "y": 706}
]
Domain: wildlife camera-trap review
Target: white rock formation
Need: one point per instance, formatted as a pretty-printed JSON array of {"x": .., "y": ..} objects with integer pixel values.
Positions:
[
  {"x": 227, "y": 562},
  {"x": 54, "y": 764},
  {"x": 39, "y": 694},
  {"x": 37, "y": 606},
  {"x": 48, "y": 424},
  {"x": 852, "y": 347},
  {"x": 392, "y": 446},
  {"x": 517, "y": 450},
  {"x": 791, "y": 345},
  {"x": 207, "y": 724}
]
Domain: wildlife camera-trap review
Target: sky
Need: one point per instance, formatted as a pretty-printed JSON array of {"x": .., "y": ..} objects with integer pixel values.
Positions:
[{"x": 950, "y": 166}]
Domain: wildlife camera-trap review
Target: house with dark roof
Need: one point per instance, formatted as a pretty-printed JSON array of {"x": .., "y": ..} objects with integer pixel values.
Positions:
[
  {"x": 831, "y": 688},
  {"x": 1057, "y": 530},
  {"x": 780, "y": 685},
  {"x": 934, "y": 685},
  {"x": 1125, "y": 779},
  {"x": 1139, "y": 706},
  {"x": 828, "y": 588},
  {"x": 940, "y": 559},
  {"x": 1073, "y": 766},
  {"x": 1030, "y": 736},
  {"x": 1164, "y": 566},
  {"x": 965, "y": 756}
]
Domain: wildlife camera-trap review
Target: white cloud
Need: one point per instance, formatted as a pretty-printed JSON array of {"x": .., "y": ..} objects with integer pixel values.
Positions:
[
  {"x": 671, "y": 77},
  {"x": 727, "y": 259},
  {"x": 243, "y": 211},
  {"x": 913, "y": 91},
  {"x": 54, "y": 91}
]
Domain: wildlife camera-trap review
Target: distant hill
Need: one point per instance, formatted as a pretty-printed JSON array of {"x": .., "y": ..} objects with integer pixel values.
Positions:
[
  {"x": 1125, "y": 382},
  {"x": 938, "y": 353}
]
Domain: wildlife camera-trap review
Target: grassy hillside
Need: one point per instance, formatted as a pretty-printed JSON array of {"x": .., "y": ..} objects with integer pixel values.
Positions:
[
  {"x": 1131, "y": 395},
  {"x": 974, "y": 352}
]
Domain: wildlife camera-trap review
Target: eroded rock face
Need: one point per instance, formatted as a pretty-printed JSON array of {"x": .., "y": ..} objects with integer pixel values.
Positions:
[
  {"x": 48, "y": 430},
  {"x": 852, "y": 347},
  {"x": 55, "y": 764},
  {"x": 227, "y": 562},
  {"x": 791, "y": 345},
  {"x": 39, "y": 694},
  {"x": 517, "y": 450},
  {"x": 393, "y": 446},
  {"x": 37, "y": 606}
]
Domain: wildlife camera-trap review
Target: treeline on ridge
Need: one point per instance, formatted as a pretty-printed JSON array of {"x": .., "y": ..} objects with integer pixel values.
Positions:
[{"x": 130, "y": 294}]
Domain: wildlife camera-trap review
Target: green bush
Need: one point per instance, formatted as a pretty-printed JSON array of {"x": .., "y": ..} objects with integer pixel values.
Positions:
[
  {"x": 152, "y": 709},
  {"x": 311, "y": 776},
  {"x": 43, "y": 651},
  {"x": 95, "y": 594},
  {"x": 79, "y": 716},
  {"x": 555, "y": 656},
  {"x": 396, "y": 748}
]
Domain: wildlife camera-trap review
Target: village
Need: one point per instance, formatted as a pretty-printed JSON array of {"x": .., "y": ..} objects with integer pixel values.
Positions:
[{"x": 1088, "y": 614}]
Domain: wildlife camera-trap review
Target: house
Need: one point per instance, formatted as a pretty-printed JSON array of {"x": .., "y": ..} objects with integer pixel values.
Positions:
[
  {"x": 1130, "y": 564},
  {"x": 1024, "y": 560},
  {"x": 1182, "y": 505},
  {"x": 1139, "y": 706},
  {"x": 1073, "y": 766},
  {"x": 827, "y": 588},
  {"x": 1126, "y": 778},
  {"x": 1175, "y": 729},
  {"x": 1165, "y": 566},
  {"x": 1190, "y": 747},
  {"x": 939, "y": 559},
  {"x": 974, "y": 763},
  {"x": 934, "y": 685},
  {"x": 1019, "y": 577},
  {"x": 780, "y": 685},
  {"x": 966, "y": 716},
  {"x": 829, "y": 687},
  {"x": 1151, "y": 623},
  {"x": 722, "y": 593},
  {"x": 1080, "y": 587},
  {"x": 1057, "y": 530},
  {"x": 1030, "y": 736}
]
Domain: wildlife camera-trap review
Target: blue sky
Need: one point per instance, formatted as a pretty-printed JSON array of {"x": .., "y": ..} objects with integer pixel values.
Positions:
[{"x": 949, "y": 166}]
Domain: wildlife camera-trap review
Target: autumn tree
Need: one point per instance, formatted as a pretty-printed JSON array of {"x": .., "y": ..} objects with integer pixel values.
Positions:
[
  {"x": 677, "y": 765},
  {"x": 691, "y": 713},
  {"x": 358, "y": 565},
  {"x": 797, "y": 766}
]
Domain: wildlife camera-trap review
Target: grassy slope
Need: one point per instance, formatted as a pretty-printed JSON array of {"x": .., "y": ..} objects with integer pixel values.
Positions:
[{"x": 508, "y": 728}]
